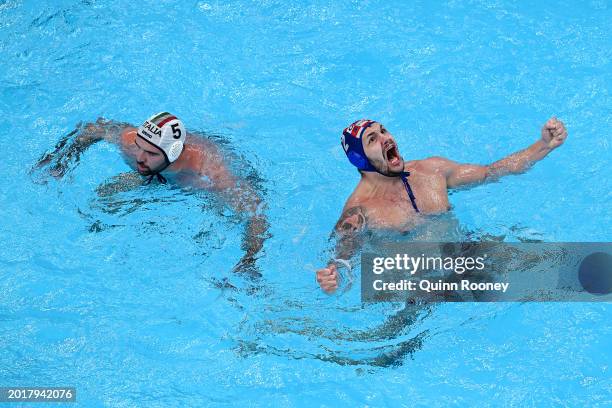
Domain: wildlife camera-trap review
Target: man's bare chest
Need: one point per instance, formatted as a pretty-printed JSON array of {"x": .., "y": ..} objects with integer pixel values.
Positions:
[{"x": 396, "y": 211}]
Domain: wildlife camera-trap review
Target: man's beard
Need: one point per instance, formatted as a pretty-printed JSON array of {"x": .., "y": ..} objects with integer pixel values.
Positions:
[
  {"x": 145, "y": 172},
  {"x": 379, "y": 165}
]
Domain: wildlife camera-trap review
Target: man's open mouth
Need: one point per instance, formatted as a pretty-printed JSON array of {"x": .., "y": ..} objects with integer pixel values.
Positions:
[{"x": 392, "y": 154}]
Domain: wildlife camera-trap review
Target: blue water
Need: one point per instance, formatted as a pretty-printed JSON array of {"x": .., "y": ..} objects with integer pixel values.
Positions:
[{"x": 123, "y": 296}]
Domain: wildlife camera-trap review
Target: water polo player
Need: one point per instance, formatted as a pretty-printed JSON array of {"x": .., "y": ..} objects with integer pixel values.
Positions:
[
  {"x": 396, "y": 194},
  {"x": 161, "y": 149}
]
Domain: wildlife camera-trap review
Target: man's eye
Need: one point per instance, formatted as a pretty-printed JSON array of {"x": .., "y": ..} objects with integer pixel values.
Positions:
[{"x": 383, "y": 130}]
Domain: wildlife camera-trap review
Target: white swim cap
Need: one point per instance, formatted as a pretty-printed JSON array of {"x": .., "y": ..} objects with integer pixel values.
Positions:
[{"x": 165, "y": 131}]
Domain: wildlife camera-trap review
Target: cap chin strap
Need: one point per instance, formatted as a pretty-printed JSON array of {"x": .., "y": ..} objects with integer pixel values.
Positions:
[
  {"x": 157, "y": 174},
  {"x": 404, "y": 176},
  {"x": 160, "y": 178}
]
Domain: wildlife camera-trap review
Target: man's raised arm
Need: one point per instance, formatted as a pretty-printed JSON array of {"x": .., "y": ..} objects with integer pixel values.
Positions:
[{"x": 459, "y": 175}]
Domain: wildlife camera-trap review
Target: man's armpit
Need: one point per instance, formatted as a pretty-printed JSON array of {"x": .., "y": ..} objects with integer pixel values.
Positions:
[{"x": 352, "y": 220}]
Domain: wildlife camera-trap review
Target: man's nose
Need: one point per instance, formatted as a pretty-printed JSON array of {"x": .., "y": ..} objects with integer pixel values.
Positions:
[{"x": 140, "y": 156}]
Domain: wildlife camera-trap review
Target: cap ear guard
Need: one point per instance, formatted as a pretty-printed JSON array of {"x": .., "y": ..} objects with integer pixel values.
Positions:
[
  {"x": 175, "y": 151},
  {"x": 358, "y": 160},
  {"x": 352, "y": 144}
]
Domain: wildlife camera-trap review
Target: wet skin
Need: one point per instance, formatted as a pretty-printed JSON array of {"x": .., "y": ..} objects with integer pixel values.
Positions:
[
  {"x": 381, "y": 202},
  {"x": 201, "y": 165},
  {"x": 198, "y": 158}
]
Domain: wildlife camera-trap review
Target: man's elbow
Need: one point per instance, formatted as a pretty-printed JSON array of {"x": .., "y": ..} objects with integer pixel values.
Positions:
[
  {"x": 489, "y": 173},
  {"x": 95, "y": 131},
  {"x": 91, "y": 133},
  {"x": 514, "y": 167}
]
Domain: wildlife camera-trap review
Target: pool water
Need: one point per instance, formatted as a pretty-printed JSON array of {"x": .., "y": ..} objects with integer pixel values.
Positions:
[{"x": 130, "y": 296}]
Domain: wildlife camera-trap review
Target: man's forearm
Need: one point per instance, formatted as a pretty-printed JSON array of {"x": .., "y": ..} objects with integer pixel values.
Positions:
[
  {"x": 80, "y": 139},
  {"x": 349, "y": 232},
  {"x": 349, "y": 239},
  {"x": 244, "y": 199},
  {"x": 255, "y": 235},
  {"x": 520, "y": 161},
  {"x": 347, "y": 246},
  {"x": 102, "y": 129},
  {"x": 68, "y": 150}
]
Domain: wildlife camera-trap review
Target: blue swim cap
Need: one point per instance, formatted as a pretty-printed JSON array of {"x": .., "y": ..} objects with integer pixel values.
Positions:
[{"x": 353, "y": 146}]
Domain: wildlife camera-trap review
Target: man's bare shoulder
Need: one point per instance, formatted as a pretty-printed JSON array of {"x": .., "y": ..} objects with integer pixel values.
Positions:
[
  {"x": 434, "y": 164},
  {"x": 191, "y": 158},
  {"x": 354, "y": 212},
  {"x": 204, "y": 148},
  {"x": 127, "y": 136},
  {"x": 204, "y": 157},
  {"x": 358, "y": 198}
]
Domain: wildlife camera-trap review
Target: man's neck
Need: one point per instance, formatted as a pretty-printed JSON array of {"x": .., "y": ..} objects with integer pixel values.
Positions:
[{"x": 376, "y": 184}]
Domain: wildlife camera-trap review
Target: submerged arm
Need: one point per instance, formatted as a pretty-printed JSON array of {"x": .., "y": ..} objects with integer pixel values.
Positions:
[
  {"x": 348, "y": 233},
  {"x": 247, "y": 202},
  {"x": 70, "y": 147}
]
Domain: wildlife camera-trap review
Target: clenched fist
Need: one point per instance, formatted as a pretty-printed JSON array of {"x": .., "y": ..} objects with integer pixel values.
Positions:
[
  {"x": 328, "y": 278},
  {"x": 553, "y": 133}
]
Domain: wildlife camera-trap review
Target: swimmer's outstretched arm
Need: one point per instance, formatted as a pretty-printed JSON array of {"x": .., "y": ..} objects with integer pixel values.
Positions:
[
  {"x": 460, "y": 175},
  {"x": 348, "y": 236},
  {"x": 70, "y": 147}
]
